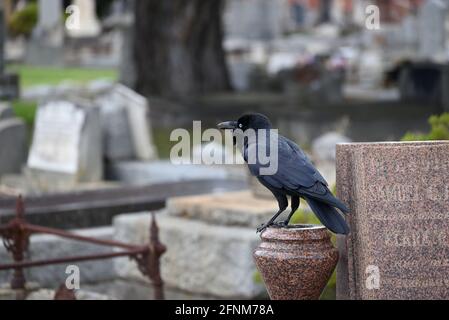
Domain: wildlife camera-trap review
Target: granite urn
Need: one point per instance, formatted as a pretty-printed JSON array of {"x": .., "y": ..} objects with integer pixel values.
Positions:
[{"x": 296, "y": 262}]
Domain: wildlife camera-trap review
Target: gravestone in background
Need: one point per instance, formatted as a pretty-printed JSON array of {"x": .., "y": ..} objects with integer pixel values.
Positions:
[
  {"x": 9, "y": 83},
  {"x": 13, "y": 145},
  {"x": 398, "y": 195},
  {"x": 117, "y": 140},
  {"x": 57, "y": 138},
  {"x": 432, "y": 29},
  {"x": 6, "y": 111},
  {"x": 46, "y": 46},
  {"x": 66, "y": 147},
  {"x": 255, "y": 19},
  {"x": 211, "y": 239},
  {"x": 137, "y": 109}
]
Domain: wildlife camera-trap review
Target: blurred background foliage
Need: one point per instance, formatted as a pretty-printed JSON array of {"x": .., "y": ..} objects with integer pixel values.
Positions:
[
  {"x": 23, "y": 21},
  {"x": 439, "y": 130}
]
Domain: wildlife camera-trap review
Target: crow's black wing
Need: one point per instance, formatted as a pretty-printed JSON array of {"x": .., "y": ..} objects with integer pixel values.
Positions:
[
  {"x": 302, "y": 155},
  {"x": 294, "y": 169},
  {"x": 295, "y": 173}
]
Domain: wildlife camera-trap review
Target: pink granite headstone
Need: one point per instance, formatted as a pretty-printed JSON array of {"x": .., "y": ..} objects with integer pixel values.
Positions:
[{"x": 398, "y": 194}]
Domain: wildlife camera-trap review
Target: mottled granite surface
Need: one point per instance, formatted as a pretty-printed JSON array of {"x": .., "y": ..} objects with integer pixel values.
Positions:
[
  {"x": 297, "y": 262},
  {"x": 398, "y": 195}
]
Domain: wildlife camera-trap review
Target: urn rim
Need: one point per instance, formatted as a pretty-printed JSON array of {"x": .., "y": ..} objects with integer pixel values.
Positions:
[{"x": 297, "y": 232}]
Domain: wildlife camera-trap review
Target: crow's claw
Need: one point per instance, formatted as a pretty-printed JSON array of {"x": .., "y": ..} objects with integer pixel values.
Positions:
[
  {"x": 281, "y": 224},
  {"x": 263, "y": 227}
]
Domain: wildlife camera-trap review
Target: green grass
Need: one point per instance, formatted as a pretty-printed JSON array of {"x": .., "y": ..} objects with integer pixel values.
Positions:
[
  {"x": 25, "y": 110},
  {"x": 32, "y": 75}
]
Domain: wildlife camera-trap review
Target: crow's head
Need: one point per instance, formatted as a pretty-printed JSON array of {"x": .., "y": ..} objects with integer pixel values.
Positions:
[{"x": 253, "y": 121}]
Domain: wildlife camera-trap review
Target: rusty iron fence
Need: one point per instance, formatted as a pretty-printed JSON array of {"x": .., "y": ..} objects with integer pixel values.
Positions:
[{"x": 16, "y": 239}]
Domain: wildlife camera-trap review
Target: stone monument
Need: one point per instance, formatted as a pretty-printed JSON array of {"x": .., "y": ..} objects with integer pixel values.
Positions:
[
  {"x": 66, "y": 147},
  {"x": 132, "y": 127},
  {"x": 432, "y": 29},
  {"x": 211, "y": 241},
  {"x": 9, "y": 83},
  {"x": 13, "y": 145},
  {"x": 256, "y": 19},
  {"x": 398, "y": 195},
  {"x": 6, "y": 111},
  {"x": 46, "y": 46}
]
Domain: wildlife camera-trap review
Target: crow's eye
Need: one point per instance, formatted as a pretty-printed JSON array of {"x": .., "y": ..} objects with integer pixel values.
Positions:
[{"x": 240, "y": 125}]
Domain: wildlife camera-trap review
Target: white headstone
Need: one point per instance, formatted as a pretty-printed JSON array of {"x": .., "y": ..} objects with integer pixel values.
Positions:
[{"x": 57, "y": 136}]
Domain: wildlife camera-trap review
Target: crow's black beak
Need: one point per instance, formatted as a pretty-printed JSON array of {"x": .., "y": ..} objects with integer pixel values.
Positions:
[{"x": 227, "y": 125}]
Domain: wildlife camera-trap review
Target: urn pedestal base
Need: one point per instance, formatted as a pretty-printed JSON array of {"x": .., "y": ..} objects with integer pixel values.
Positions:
[{"x": 296, "y": 262}]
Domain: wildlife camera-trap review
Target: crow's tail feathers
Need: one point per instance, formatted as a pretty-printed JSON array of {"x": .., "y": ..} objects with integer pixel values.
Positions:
[
  {"x": 328, "y": 216},
  {"x": 327, "y": 198}
]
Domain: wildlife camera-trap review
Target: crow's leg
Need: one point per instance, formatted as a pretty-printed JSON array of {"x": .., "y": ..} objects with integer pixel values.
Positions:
[
  {"x": 294, "y": 206},
  {"x": 283, "y": 204}
]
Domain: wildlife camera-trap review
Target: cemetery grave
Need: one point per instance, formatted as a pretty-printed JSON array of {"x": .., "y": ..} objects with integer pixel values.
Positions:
[{"x": 86, "y": 115}]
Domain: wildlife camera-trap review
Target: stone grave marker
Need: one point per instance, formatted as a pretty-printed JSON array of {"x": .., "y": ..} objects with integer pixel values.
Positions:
[
  {"x": 13, "y": 140},
  {"x": 66, "y": 143},
  {"x": 432, "y": 29},
  {"x": 46, "y": 44},
  {"x": 255, "y": 19},
  {"x": 211, "y": 240},
  {"x": 6, "y": 111},
  {"x": 9, "y": 83},
  {"x": 137, "y": 109},
  {"x": 117, "y": 140},
  {"x": 398, "y": 195}
]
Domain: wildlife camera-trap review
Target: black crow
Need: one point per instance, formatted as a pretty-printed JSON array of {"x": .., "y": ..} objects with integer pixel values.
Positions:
[{"x": 295, "y": 176}]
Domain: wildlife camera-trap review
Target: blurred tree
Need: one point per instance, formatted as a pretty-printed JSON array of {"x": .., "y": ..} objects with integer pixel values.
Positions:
[
  {"x": 23, "y": 21},
  {"x": 178, "y": 48},
  {"x": 6, "y": 6},
  {"x": 325, "y": 11},
  {"x": 103, "y": 7}
]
